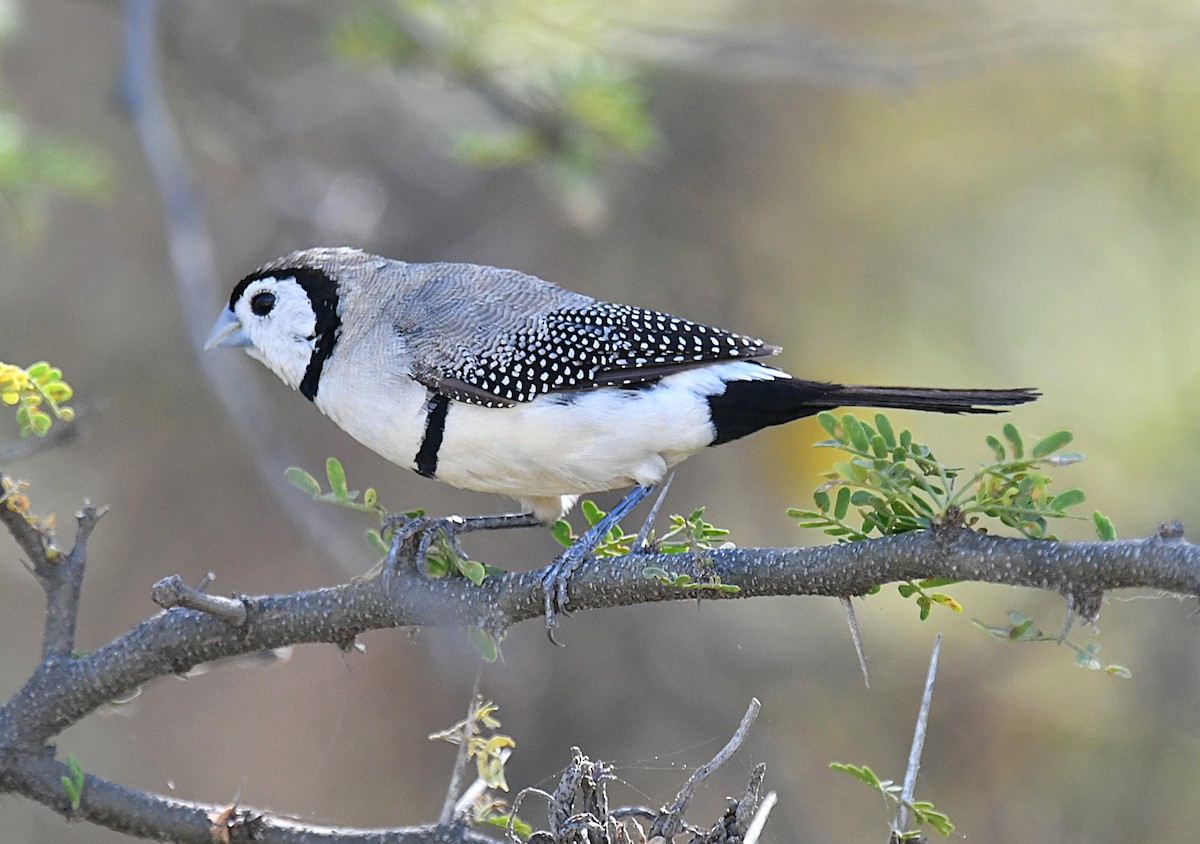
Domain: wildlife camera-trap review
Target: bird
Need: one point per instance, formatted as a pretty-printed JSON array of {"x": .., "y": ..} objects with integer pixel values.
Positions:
[{"x": 494, "y": 380}]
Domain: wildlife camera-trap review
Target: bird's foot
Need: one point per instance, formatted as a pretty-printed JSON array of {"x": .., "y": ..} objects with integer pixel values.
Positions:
[
  {"x": 557, "y": 576},
  {"x": 405, "y": 529}
]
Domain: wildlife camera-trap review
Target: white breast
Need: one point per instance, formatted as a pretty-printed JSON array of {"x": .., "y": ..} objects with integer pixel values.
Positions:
[
  {"x": 574, "y": 443},
  {"x": 381, "y": 410}
]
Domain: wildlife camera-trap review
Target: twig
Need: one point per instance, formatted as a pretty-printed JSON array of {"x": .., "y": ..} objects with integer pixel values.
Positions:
[
  {"x": 754, "y": 830},
  {"x": 918, "y": 742},
  {"x": 63, "y": 581},
  {"x": 472, "y": 792},
  {"x": 171, "y": 592},
  {"x": 669, "y": 823},
  {"x": 460, "y": 759},
  {"x": 33, "y": 542}
]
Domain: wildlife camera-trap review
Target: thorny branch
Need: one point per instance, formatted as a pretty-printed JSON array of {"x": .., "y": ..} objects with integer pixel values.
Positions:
[{"x": 64, "y": 690}]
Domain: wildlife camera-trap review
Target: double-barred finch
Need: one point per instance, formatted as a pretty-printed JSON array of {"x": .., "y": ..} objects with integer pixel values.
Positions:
[{"x": 494, "y": 380}]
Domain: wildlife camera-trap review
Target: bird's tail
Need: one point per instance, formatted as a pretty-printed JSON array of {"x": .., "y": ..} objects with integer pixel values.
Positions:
[
  {"x": 936, "y": 399},
  {"x": 747, "y": 406}
]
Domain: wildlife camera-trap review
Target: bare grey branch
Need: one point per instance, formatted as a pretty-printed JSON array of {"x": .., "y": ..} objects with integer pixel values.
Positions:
[{"x": 173, "y": 592}]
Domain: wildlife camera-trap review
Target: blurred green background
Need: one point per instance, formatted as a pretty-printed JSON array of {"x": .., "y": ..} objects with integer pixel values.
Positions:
[{"x": 954, "y": 194}]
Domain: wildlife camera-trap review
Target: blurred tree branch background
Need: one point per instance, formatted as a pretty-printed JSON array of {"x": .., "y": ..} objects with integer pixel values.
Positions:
[{"x": 976, "y": 192}]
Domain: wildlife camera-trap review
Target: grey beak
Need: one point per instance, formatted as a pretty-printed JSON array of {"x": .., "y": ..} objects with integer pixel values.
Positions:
[{"x": 227, "y": 331}]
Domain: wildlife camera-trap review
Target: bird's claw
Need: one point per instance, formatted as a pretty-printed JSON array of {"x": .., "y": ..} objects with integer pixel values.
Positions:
[
  {"x": 425, "y": 530},
  {"x": 555, "y": 581},
  {"x": 557, "y": 577}
]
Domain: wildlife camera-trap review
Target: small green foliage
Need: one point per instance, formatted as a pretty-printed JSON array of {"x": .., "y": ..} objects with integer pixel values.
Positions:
[
  {"x": 489, "y": 749},
  {"x": 922, "y": 811},
  {"x": 916, "y": 589},
  {"x": 339, "y": 493},
  {"x": 682, "y": 580},
  {"x": 485, "y": 643},
  {"x": 73, "y": 785},
  {"x": 35, "y": 391},
  {"x": 686, "y": 534},
  {"x": 520, "y": 828},
  {"x": 441, "y": 558},
  {"x": 692, "y": 533},
  {"x": 616, "y": 543},
  {"x": 892, "y": 484},
  {"x": 1021, "y": 629},
  {"x": 1104, "y": 527}
]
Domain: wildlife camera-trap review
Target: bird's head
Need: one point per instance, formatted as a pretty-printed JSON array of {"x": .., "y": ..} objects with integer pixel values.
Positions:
[{"x": 286, "y": 314}]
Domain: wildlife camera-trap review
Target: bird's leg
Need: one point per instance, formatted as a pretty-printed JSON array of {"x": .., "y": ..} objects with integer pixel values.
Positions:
[{"x": 558, "y": 574}]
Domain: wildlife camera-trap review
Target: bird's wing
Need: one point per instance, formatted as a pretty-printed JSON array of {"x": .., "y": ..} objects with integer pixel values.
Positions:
[{"x": 587, "y": 345}]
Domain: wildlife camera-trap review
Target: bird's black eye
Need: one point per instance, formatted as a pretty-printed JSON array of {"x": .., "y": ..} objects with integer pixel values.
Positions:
[{"x": 262, "y": 302}]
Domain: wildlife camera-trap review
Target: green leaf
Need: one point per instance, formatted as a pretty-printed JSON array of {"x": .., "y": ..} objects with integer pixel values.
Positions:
[
  {"x": 997, "y": 448},
  {"x": 591, "y": 513},
  {"x": 1067, "y": 498},
  {"x": 337, "y": 478},
  {"x": 520, "y": 828},
  {"x": 862, "y": 774},
  {"x": 561, "y": 531},
  {"x": 73, "y": 785},
  {"x": 472, "y": 570},
  {"x": 1050, "y": 444},
  {"x": 1014, "y": 437},
  {"x": 376, "y": 542},
  {"x": 829, "y": 422},
  {"x": 855, "y": 433},
  {"x": 925, "y": 605},
  {"x": 302, "y": 481},
  {"x": 851, "y": 471},
  {"x": 945, "y": 601},
  {"x": 487, "y": 646},
  {"x": 842, "y": 504},
  {"x": 1020, "y": 629},
  {"x": 885, "y": 430},
  {"x": 937, "y": 582},
  {"x": 1104, "y": 526}
]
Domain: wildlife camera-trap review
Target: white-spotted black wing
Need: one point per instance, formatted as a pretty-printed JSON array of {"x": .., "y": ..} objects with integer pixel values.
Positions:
[{"x": 597, "y": 345}]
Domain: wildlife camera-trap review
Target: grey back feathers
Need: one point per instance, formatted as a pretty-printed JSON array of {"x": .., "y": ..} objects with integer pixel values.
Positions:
[{"x": 496, "y": 337}]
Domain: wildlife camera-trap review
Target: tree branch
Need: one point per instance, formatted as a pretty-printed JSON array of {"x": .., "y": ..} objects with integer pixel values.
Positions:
[
  {"x": 37, "y": 775},
  {"x": 64, "y": 690},
  {"x": 62, "y": 579}
]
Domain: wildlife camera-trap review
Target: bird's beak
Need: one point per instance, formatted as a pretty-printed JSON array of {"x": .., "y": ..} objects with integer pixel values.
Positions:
[{"x": 227, "y": 331}]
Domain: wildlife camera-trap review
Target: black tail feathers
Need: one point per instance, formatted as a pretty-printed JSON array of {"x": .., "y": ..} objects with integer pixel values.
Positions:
[
  {"x": 936, "y": 399},
  {"x": 747, "y": 406}
]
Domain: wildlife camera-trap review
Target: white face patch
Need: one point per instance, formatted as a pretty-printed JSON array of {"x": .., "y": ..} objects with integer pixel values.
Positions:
[{"x": 277, "y": 315}]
